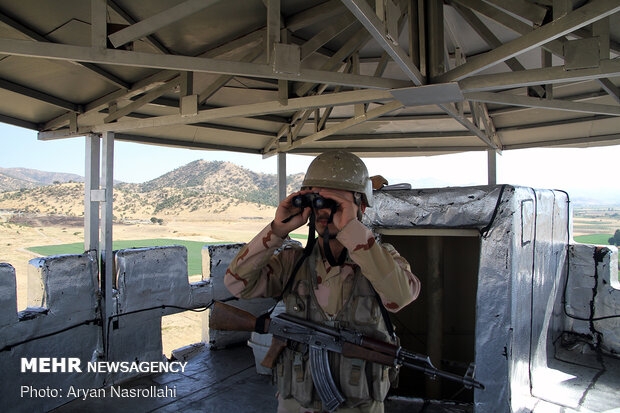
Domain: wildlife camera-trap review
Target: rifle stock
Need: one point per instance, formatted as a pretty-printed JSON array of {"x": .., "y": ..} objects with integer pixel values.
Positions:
[
  {"x": 274, "y": 351},
  {"x": 228, "y": 318}
]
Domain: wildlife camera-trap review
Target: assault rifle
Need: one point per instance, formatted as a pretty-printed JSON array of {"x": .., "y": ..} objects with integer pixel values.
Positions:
[{"x": 320, "y": 339}]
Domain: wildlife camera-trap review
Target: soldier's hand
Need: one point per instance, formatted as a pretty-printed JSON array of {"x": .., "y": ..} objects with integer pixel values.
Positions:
[
  {"x": 289, "y": 217},
  {"x": 347, "y": 208}
]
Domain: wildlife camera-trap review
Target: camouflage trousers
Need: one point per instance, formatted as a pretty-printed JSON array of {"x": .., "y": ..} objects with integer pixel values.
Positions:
[{"x": 291, "y": 406}]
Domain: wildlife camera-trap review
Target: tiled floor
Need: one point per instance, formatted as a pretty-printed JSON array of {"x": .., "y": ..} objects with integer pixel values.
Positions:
[{"x": 213, "y": 381}]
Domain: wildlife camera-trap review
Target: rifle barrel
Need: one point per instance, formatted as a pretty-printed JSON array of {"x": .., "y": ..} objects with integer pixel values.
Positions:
[{"x": 447, "y": 375}]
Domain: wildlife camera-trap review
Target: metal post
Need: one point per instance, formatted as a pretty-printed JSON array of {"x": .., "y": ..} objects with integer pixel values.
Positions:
[
  {"x": 107, "y": 265},
  {"x": 434, "y": 304},
  {"x": 492, "y": 169},
  {"x": 281, "y": 176},
  {"x": 414, "y": 32},
  {"x": 434, "y": 38},
  {"x": 91, "y": 183}
]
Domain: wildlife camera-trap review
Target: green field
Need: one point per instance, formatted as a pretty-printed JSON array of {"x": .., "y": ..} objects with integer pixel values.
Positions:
[
  {"x": 597, "y": 239},
  {"x": 194, "y": 258},
  {"x": 194, "y": 248},
  {"x": 298, "y": 236}
]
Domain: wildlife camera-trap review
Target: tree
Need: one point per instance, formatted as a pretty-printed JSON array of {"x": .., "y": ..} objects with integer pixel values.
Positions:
[{"x": 615, "y": 240}]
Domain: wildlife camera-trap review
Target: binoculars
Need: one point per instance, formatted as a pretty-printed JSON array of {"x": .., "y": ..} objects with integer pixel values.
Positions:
[{"x": 314, "y": 201}]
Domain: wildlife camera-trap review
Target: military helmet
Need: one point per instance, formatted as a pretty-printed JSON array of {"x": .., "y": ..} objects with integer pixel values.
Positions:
[{"x": 340, "y": 170}]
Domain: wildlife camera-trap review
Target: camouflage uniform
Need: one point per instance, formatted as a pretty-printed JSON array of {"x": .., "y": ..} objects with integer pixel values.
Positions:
[{"x": 338, "y": 296}]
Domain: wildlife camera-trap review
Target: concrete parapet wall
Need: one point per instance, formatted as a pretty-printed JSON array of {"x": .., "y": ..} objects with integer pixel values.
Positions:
[
  {"x": 62, "y": 325},
  {"x": 151, "y": 276},
  {"x": 151, "y": 283},
  {"x": 63, "y": 319},
  {"x": 220, "y": 257},
  {"x": 64, "y": 284},
  {"x": 593, "y": 296},
  {"x": 8, "y": 295}
]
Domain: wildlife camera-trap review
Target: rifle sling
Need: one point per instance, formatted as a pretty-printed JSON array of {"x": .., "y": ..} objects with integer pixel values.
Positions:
[
  {"x": 306, "y": 252},
  {"x": 384, "y": 313}
]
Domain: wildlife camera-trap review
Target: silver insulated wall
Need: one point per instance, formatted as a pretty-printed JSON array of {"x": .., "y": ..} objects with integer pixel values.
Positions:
[{"x": 505, "y": 287}]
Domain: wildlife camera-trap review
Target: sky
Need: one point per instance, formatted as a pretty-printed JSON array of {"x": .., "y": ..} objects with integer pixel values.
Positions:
[{"x": 584, "y": 173}]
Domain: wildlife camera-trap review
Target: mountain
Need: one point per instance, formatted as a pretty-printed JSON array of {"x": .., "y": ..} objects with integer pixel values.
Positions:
[
  {"x": 12, "y": 179},
  {"x": 224, "y": 178},
  {"x": 9, "y": 183},
  {"x": 198, "y": 189}
]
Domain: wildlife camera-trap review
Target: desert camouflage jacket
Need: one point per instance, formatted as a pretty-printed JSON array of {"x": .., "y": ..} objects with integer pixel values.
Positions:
[{"x": 258, "y": 271}]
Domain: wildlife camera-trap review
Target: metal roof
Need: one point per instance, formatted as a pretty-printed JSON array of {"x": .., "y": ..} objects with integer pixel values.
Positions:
[{"x": 301, "y": 76}]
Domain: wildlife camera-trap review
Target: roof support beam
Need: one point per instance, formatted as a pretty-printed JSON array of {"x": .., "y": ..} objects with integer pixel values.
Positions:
[
  {"x": 250, "y": 40},
  {"x": 376, "y": 28},
  {"x": 103, "y": 102},
  {"x": 554, "y": 104},
  {"x": 32, "y": 34},
  {"x": 583, "y": 33},
  {"x": 98, "y": 23},
  {"x": 343, "y": 98},
  {"x": 356, "y": 120},
  {"x": 609, "y": 87},
  {"x": 468, "y": 124},
  {"x": 158, "y": 21},
  {"x": 557, "y": 74},
  {"x": 354, "y": 43},
  {"x": 186, "y": 63},
  {"x": 478, "y": 110},
  {"x": 218, "y": 83},
  {"x": 332, "y": 30},
  {"x": 66, "y": 133},
  {"x": 234, "y": 47},
  {"x": 189, "y": 145},
  {"x": 130, "y": 20},
  {"x": 313, "y": 15},
  {"x": 529, "y": 11},
  {"x": 38, "y": 95},
  {"x": 566, "y": 142},
  {"x": 583, "y": 16},
  {"x": 143, "y": 100},
  {"x": 490, "y": 38},
  {"x": 489, "y": 126},
  {"x": 297, "y": 121},
  {"x": 18, "y": 122},
  {"x": 556, "y": 46},
  {"x": 398, "y": 136},
  {"x": 273, "y": 26},
  {"x": 426, "y": 150}
]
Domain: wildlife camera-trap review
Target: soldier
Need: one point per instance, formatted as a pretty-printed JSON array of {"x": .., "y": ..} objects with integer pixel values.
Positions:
[{"x": 351, "y": 291}]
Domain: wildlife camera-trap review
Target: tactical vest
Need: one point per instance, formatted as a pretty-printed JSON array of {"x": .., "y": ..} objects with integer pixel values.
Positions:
[{"x": 359, "y": 381}]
